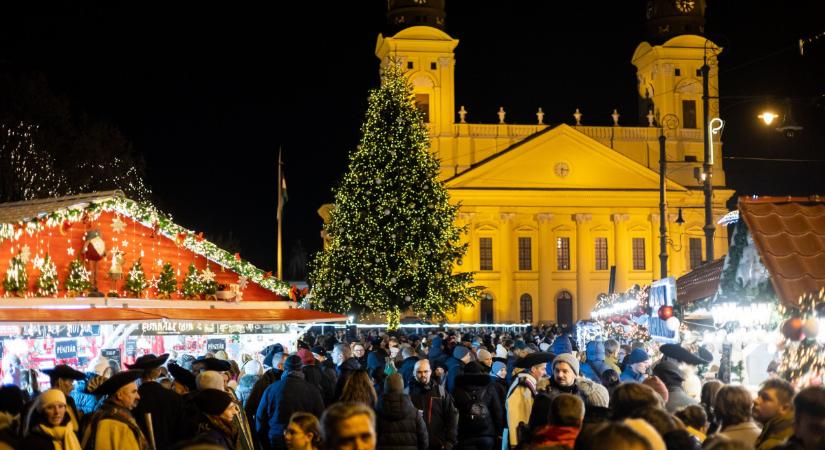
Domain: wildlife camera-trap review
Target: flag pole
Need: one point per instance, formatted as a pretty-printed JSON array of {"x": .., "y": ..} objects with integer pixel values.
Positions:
[{"x": 280, "y": 213}]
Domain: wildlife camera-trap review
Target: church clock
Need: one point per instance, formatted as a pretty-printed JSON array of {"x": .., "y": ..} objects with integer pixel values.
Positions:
[{"x": 685, "y": 6}]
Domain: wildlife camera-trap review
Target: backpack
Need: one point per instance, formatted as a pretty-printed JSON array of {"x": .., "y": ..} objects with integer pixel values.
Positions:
[{"x": 477, "y": 417}]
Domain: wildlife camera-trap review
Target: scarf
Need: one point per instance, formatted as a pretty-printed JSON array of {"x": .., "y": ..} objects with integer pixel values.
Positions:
[
  {"x": 229, "y": 431},
  {"x": 110, "y": 410},
  {"x": 63, "y": 438}
]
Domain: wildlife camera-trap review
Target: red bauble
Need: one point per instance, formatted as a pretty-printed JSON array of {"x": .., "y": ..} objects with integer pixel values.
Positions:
[
  {"x": 792, "y": 329},
  {"x": 665, "y": 312}
]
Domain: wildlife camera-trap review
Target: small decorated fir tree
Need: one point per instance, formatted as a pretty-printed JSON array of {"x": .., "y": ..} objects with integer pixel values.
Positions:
[
  {"x": 168, "y": 284},
  {"x": 192, "y": 287},
  {"x": 77, "y": 281},
  {"x": 17, "y": 281},
  {"x": 136, "y": 280},
  {"x": 47, "y": 281}
]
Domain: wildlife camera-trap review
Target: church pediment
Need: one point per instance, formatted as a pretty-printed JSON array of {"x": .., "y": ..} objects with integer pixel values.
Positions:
[{"x": 559, "y": 158}]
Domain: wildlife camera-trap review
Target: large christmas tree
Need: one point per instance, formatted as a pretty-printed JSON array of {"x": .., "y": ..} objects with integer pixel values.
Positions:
[{"x": 393, "y": 239}]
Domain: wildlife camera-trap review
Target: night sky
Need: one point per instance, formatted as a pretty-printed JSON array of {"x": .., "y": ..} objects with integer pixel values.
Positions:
[{"x": 209, "y": 92}]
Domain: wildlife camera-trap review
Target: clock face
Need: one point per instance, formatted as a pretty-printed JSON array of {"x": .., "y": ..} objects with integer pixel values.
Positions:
[
  {"x": 685, "y": 6},
  {"x": 561, "y": 169},
  {"x": 651, "y": 8}
]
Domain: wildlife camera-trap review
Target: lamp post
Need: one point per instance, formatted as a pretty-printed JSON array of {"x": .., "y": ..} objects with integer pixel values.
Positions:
[{"x": 670, "y": 122}]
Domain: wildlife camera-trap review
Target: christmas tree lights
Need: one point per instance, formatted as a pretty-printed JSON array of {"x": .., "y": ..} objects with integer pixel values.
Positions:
[
  {"x": 17, "y": 280},
  {"x": 803, "y": 355},
  {"x": 393, "y": 240},
  {"x": 47, "y": 282},
  {"x": 192, "y": 286},
  {"x": 136, "y": 281},
  {"x": 77, "y": 280},
  {"x": 168, "y": 284}
]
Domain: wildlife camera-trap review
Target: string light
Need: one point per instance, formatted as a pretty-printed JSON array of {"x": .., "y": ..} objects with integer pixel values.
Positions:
[{"x": 393, "y": 242}]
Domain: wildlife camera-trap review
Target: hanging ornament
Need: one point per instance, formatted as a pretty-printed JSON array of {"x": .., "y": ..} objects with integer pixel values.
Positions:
[
  {"x": 672, "y": 324},
  {"x": 243, "y": 282},
  {"x": 810, "y": 328},
  {"x": 94, "y": 249},
  {"x": 665, "y": 312},
  {"x": 792, "y": 329},
  {"x": 207, "y": 276},
  {"x": 25, "y": 254},
  {"x": 70, "y": 251},
  {"x": 65, "y": 227},
  {"x": 118, "y": 225},
  {"x": 820, "y": 310}
]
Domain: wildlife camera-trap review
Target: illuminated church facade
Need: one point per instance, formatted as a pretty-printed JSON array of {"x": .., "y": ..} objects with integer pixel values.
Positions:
[{"x": 551, "y": 208}]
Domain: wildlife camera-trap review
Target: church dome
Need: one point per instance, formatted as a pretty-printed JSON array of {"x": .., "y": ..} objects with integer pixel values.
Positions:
[
  {"x": 669, "y": 18},
  {"x": 409, "y": 13}
]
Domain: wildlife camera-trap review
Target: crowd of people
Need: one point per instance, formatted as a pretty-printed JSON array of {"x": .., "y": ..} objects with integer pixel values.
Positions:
[{"x": 486, "y": 389}]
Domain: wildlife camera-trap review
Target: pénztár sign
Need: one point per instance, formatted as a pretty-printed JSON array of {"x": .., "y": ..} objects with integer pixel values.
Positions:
[{"x": 662, "y": 293}]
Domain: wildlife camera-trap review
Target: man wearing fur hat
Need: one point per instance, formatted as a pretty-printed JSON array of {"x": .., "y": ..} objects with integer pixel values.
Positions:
[
  {"x": 522, "y": 393},
  {"x": 112, "y": 426}
]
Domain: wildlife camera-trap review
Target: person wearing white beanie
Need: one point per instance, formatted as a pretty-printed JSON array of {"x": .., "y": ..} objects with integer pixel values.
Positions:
[
  {"x": 47, "y": 424},
  {"x": 209, "y": 379}
]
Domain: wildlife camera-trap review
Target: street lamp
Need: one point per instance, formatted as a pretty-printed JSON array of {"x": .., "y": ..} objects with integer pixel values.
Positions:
[
  {"x": 669, "y": 122},
  {"x": 768, "y": 117}
]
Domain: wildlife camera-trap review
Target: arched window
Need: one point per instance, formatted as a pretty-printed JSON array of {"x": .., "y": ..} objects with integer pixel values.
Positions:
[{"x": 526, "y": 303}]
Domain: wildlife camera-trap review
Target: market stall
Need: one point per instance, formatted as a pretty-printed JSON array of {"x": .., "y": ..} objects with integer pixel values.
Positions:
[{"x": 101, "y": 274}]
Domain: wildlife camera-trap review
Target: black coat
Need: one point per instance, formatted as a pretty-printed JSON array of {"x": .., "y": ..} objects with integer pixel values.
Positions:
[
  {"x": 254, "y": 399},
  {"x": 477, "y": 388},
  {"x": 37, "y": 440},
  {"x": 399, "y": 425},
  {"x": 455, "y": 367},
  {"x": 288, "y": 395},
  {"x": 315, "y": 376},
  {"x": 440, "y": 414},
  {"x": 166, "y": 407}
]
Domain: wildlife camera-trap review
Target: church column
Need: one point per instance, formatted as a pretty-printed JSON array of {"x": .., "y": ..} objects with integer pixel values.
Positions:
[
  {"x": 505, "y": 300},
  {"x": 653, "y": 249},
  {"x": 582, "y": 264},
  {"x": 622, "y": 245},
  {"x": 545, "y": 249},
  {"x": 468, "y": 264}
]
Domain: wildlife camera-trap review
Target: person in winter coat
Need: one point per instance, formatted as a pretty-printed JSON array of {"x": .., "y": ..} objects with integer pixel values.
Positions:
[
  {"x": 251, "y": 372},
  {"x": 345, "y": 365},
  {"x": 455, "y": 365},
  {"x": 636, "y": 365},
  {"x": 594, "y": 365},
  {"x": 49, "y": 425},
  {"x": 565, "y": 422},
  {"x": 290, "y": 394},
  {"x": 407, "y": 369},
  {"x": 269, "y": 377},
  {"x": 399, "y": 425},
  {"x": 165, "y": 405},
  {"x": 217, "y": 424},
  {"x": 773, "y": 408},
  {"x": 63, "y": 377},
  {"x": 566, "y": 380},
  {"x": 611, "y": 355},
  {"x": 437, "y": 406},
  {"x": 498, "y": 376},
  {"x": 436, "y": 354},
  {"x": 672, "y": 377},
  {"x": 480, "y": 418},
  {"x": 733, "y": 407},
  {"x": 521, "y": 394},
  {"x": 315, "y": 376}
]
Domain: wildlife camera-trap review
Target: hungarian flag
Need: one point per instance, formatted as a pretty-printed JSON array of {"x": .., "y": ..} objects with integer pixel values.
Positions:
[{"x": 282, "y": 197}]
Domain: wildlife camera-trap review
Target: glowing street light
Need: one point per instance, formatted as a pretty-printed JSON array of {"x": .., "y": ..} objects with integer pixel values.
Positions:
[{"x": 768, "y": 117}]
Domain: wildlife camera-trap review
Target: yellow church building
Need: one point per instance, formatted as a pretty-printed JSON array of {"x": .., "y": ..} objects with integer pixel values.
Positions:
[{"x": 551, "y": 208}]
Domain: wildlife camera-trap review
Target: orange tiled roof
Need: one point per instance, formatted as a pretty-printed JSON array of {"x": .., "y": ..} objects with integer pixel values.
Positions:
[{"x": 789, "y": 233}]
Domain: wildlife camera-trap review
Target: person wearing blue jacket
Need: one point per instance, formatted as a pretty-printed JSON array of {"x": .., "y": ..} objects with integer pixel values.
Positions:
[
  {"x": 455, "y": 365},
  {"x": 594, "y": 365},
  {"x": 636, "y": 365}
]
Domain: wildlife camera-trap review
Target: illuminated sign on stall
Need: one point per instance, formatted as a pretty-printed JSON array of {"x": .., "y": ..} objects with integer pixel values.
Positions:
[
  {"x": 199, "y": 329},
  {"x": 662, "y": 293}
]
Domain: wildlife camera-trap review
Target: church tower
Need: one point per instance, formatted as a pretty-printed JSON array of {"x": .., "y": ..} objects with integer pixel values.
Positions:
[
  {"x": 427, "y": 54},
  {"x": 669, "y": 64}
]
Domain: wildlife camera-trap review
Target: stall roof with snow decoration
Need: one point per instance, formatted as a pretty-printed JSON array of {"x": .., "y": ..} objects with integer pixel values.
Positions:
[{"x": 124, "y": 246}]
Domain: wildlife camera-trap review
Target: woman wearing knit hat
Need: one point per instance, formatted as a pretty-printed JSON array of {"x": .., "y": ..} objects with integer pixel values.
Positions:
[
  {"x": 48, "y": 424},
  {"x": 217, "y": 423}
]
